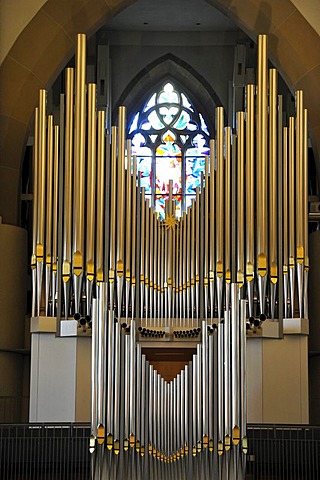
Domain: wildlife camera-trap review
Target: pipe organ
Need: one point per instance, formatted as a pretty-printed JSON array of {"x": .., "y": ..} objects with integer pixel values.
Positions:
[{"x": 236, "y": 257}]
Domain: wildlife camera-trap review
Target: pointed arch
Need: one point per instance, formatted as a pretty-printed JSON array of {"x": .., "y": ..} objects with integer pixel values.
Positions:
[{"x": 170, "y": 68}]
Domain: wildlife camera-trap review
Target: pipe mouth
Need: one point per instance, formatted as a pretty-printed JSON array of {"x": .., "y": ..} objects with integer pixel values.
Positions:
[
  {"x": 256, "y": 323},
  {"x": 82, "y": 321},
  {"x": 88, "y": 318},
  {"x": 77, "y": 316},
  {"x": 251, "y": 320},
  {"x": 263, "y": 317}
]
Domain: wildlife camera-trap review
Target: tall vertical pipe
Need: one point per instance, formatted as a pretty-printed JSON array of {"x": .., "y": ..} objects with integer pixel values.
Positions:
[
  {"x": 292, "y": 195},
  {"x": 240, "y": 199},
  {"x": 300, "y": 197},
  {"x": 220, "y": 207},
  {"x": 55, "y": 215},
  {"x": 250, "y": 194},
  {"x": 285, "y": 219},
  {"x": 235, "y": 368},
  {"x": 212, "y": 210},
  {"x": 49, "y": 203},
  {"x": 120, "y": 207},
  {"x": 228, "y": 215},
  {"x": 273, "y": 187},
  {"x": 35, "y": 220},
  {"x": 133, "y": 234},
  {"x": 305, "y": 213},
  {"x": 128, "y": 219},
  {"x": 262, "y": 213},
  {"x": 68, "y": 190},
  {"x": 113, "y": 209},
  {"x": 79, "y": 168},
  {"x": 41, "y": 194},
  {"x": 100, "y": 196},
  {"x": 91, "y": 181}
]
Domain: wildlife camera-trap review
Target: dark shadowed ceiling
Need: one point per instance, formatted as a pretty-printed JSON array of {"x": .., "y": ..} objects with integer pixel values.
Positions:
[{"x": 171, "y": 15}]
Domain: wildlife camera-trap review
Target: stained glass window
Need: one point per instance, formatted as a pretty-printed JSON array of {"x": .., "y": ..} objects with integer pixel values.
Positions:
[{"x": 170, "y": 139}]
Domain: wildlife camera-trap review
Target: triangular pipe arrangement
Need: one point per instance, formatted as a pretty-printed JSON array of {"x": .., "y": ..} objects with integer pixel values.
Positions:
[{"x": 237, "y": 256}]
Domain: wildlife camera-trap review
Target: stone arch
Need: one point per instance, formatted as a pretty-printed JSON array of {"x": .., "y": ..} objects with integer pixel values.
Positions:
[
  {"x": 169, "y": 67},
  {"x": 47, "y": 42}
]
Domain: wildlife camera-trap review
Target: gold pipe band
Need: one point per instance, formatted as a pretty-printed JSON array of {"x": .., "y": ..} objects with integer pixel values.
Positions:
[
  {"x": 299, "y": 176},
  {"x": 35, "y": 183},
  {"x": 68, "y": 172},
  {"x": 220, "y": 184},
  {"x": 55, "y": 194},
  {"x": 273, "y": 204},
  {"x": 291, "y": 189},
  {"x": 49, "y": 190},
  {"x": 227, "y": 197},
  {"x": 250, "y": 181},
  {"x": 285, "y": 194},
  {"x": 262, "y": 146},
  {"x": 41, "y": 172},
  {"x": 79, "y": 153},
  {"x": 240, "y": 197},
  {"x": 112, "y": 228},
  {"x": 91, "y": 181},
  {"x": 100, "y": 195}
]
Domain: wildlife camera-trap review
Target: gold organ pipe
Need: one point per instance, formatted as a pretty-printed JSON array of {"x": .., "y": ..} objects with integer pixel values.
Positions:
[
  {"x": 305, "y": 186},
  {"x": 142, "y": 250},
  {"x": 206, "y": 217},
  {"x": 35, "y": 192},
  {"x": 41, "y": 175},
  {"x": 147, "y": 243},
  {"x": 151, "y": 245},
  {"x": 113, "y": 205},
  {"x": 291, "y": 193},
  {"x": 228, "y": 204},
  {"x": 100, "y": 195},
  {"x": 197, "y": 251},
  {"x": 240, "y": 198},
  {"x": 68, "y": 175},
  {"x": 49, "y": 191},
  {"x": 128, "y": 214},
  {"x": 212, "y": 212},
  {"x": 91, "y": 182},
  {"x": 262, "y": 156},
  {"x": 249, "y": 182},
  {"x": 299, "y": 178},
  {"x": 285, "y": 200},
  {"x": 79, "y": 155},
  {"x": 206, "y": 237},
  {"x": 305, "y": 213},
  {"x": 220, "y": 200},
  {"x": 55, "y": 199},
  {"x": 133, "y": 232},
  {"x": 184, "y": 262},
  {"x": 273, "y": 212},
  {"x": 121, "y": 192}
]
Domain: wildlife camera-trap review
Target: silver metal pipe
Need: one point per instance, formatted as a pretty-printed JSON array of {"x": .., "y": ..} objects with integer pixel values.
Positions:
[
  {"x": 132, "y": 404},
  {"x": 101, "y": 358},
  {"x": 205, "y": 378},
  {"x": 285, "y": 221},
  {"x": 110, "y": 378},
  {"x": 235, "y": 372},
  {"x": 117, "y": 366},
  {"x": 243, "y": 377},
  {"x": 227, "y": 382},
  {"x": 138, "y": 391},
  {"x": 94, "y": 376}
]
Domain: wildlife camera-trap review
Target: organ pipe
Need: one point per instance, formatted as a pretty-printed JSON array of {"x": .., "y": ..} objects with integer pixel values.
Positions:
[{"x": 171, "y": 279}]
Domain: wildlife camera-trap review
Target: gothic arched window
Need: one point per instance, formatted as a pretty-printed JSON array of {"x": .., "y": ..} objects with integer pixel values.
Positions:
[{"x": 170, "y": 139}]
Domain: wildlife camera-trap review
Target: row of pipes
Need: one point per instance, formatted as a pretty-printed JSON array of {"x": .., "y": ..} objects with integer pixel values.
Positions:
[
  {"x": 134, "y": 407},
  {"x": 247, "y": 224}
]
